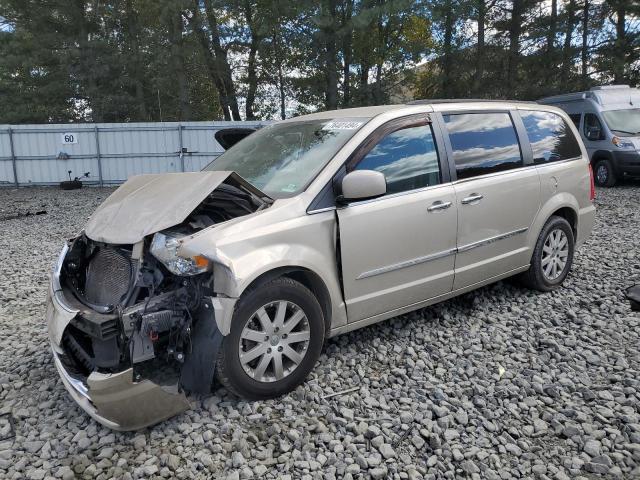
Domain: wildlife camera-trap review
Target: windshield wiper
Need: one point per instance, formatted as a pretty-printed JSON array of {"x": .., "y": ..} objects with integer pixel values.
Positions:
[{"x": 624, "y": 131}]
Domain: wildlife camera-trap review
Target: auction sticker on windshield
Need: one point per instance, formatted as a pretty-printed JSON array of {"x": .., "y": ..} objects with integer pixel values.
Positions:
[{"x": 342, "y": 125}]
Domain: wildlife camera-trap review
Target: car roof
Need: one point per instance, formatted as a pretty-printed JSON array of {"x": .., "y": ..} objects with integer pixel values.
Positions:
[
  {"x": 370, "y": 112},
  {"x": 439, "y": 104},
  {"x": 435, "y": 101},
  {"x": 359, "y": 112}
]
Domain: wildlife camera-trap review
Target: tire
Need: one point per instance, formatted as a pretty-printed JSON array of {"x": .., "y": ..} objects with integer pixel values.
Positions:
[
  {"x": 537, "y": 277},
  {"x": 269, "y": 297},
  {"x": 71, "y": 185},
  {"x": 603, "y": 173}
]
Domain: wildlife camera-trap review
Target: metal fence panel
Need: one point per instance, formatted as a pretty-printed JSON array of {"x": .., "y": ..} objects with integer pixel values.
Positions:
[{"x": 111, "y": 152}]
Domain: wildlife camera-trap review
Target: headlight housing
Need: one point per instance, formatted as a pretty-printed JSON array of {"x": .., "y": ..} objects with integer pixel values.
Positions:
[
  {"x": 165, "y": 248},
  {"x": 621, "y": 142}
]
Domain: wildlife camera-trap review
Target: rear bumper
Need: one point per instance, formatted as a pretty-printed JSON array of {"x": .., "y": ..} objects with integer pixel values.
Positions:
[{"x": 586, "y": 218}]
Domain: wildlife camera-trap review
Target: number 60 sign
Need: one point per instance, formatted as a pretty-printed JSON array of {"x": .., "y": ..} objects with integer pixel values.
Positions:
[{"x": 69, "y": 138}]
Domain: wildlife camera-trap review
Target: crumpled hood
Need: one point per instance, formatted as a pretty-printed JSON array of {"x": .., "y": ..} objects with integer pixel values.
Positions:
[{"x": 147, "y": 204}]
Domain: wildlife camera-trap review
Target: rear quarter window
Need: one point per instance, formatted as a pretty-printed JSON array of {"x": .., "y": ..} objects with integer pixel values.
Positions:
[{"x": 550, "y": 137}]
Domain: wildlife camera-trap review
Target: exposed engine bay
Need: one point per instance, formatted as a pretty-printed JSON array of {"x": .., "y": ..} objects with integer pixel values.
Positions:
[{"x": 141, "y": 305}]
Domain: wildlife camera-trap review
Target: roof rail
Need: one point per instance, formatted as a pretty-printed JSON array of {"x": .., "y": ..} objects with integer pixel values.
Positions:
[
  {"x": 462, "y": 100},
  {"x": 610, "y": 87}
]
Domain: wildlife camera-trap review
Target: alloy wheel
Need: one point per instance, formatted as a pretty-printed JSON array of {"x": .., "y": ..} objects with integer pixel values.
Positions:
[
  {"x": 602, "y": 174},
  {"x": 555, "y": 254},
  {"x": 274, "y": 341}
]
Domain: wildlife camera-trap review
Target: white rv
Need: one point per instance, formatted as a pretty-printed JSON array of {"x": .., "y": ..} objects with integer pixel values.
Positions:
[{"x": 608, "y": 119}]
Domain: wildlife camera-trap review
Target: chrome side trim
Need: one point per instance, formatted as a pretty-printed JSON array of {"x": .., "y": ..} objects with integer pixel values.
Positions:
[
  {"x": 407, "y": 263},
  {"x": 438, "y": 255},
  {"x": 320, "y": 210},
  {"x": 487, "y": 241}
]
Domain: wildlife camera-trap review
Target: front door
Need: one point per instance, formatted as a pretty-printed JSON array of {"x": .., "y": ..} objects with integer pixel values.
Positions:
[
  {"x": 399, "y": 249},
  {"x": 497, "y": 196}
]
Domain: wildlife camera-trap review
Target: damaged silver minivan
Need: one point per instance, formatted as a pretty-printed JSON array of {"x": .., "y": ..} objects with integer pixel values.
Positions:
[{"x": 306, "y": 229}]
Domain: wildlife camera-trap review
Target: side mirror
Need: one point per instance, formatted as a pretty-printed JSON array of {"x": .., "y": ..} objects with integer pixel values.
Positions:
[
  {"x": 363, "y": 184},
  {"x": 594, "y": 133}
]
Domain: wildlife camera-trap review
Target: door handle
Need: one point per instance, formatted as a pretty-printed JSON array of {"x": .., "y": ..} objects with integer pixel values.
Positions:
[
  {"x": 474, "y": 197},
  {"x": 438, "y": 205}
]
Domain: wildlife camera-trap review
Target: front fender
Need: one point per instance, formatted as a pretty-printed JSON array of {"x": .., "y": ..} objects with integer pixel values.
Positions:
[{"x": 240, "y": 257}]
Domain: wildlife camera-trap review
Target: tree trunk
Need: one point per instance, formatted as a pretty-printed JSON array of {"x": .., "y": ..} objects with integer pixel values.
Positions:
[
  {"x": 515, "y": 31},
  {"x": 446, "y": 57},
  {"x": 584, "y": 52},
  {"x": 177, "y": 59},
  {"x": 378, "y": 85},
  {"x": 283, "y": 111},
  {"x": 347, "y": 52},
  {"x": 553, "y": 27},
  {"x": 331, "y": 74},
  {"x": 133, "y": 46},
  {"x": 210, "y": 61},
  {"x": 620, "y": 46},
  {"x": 86, "y": 70},
  {"x": 281, "y": 88},
  {"x": 222, "y": 61},
  {"x": 567, "y": 57},
  {"x": 252, "y": 76},
  {"x": 479, "y": 73},
  {"x": 364, "y": 83}
]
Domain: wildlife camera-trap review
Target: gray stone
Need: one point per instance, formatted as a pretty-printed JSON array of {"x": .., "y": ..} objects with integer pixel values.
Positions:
[
  {"x": 387, "y": 451},
  {"x": 592, "y": 448},
  {"x": 378, "y": 473}
]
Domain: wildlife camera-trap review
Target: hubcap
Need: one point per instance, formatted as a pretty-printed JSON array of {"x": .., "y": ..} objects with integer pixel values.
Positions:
[
  {"x": 274, "y": 341},
  {"x": 602, "y": 174},
  {"x": 555, "y": 254}
]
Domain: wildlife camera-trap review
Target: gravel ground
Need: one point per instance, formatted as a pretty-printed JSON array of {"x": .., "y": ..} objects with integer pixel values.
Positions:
[{"x": 499, "y": 383}]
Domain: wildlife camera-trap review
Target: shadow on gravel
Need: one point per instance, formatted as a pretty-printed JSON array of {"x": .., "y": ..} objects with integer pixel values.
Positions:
[
  {"x": 13, "y": 216},
  {"x": 465, "y": 304}
]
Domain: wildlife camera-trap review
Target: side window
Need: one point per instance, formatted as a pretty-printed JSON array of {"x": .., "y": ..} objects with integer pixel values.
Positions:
[
  {"x": 592, "y": 123},
  {"x": 575, "y": 118},
  {"x": 483, "y": 143},
  {"x": 550, "y": 137},
  {"x": 407, "y": 157}
]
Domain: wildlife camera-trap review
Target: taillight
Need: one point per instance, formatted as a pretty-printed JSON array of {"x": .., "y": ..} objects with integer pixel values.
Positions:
[{"x": 592, "y": 192}]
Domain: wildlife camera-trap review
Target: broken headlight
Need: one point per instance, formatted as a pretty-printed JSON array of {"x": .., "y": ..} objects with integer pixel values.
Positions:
[{"x": 165, "y": 249}]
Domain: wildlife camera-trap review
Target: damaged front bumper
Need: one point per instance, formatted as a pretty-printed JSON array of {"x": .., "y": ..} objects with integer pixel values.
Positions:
[
  {"x": 112, "y": 399},
  {"x": 117, "y": 402}
]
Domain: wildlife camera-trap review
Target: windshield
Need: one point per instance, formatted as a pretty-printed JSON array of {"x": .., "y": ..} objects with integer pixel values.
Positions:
[
  {"x": 282, "y": 159},
  {"x": 626, "y": 121}
]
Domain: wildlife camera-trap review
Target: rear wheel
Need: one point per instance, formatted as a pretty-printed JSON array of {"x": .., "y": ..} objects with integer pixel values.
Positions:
[
  {"x": 552, "y": 257},
  {"x": 604, "y": 174},
  {"x": 276, "y": 337}
]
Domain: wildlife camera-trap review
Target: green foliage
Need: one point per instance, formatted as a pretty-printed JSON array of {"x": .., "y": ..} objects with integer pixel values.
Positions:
[{"x": 151, "y": 60}]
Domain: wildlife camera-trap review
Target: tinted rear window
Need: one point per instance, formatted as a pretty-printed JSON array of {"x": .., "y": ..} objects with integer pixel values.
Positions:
[
  {"x": 483, "y": 143},
  {"x": 551, "y": 138}
]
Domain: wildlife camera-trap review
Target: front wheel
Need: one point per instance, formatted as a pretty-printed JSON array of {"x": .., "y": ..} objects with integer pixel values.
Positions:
[
  {"x": 552, "y": 256},
  {"x": 604, "y": 173},
  {"x": 276, "y": 337}
]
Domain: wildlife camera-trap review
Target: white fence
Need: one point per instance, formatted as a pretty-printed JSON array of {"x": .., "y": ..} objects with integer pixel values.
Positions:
[{"x": 110, "y": 152}]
